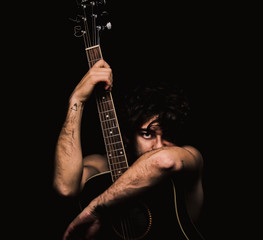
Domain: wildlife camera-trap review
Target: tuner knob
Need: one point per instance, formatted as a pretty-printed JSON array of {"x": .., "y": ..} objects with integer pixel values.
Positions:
[{"x": 108, "y": 25}]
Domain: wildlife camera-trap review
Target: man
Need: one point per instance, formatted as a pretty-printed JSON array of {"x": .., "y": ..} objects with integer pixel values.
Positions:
[{"x": 153, "y": 119}]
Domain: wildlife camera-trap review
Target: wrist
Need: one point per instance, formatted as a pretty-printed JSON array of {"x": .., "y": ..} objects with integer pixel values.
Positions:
[
  {"x": 75, "y": 103},
  {"x": 97, "y": 209}
]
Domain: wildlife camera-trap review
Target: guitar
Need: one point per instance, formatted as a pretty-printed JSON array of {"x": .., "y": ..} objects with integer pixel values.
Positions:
[{"x": 160, "y": 213}]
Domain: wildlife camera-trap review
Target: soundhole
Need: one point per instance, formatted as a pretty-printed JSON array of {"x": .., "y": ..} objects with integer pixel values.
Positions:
[{"x": 132, "y": 223}]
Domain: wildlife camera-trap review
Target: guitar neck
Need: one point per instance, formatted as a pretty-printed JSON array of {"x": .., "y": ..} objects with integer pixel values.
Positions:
[{"x": 109, "y": 123}]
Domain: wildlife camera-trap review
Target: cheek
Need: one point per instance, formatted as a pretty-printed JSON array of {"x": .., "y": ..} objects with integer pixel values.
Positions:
[{"x": 142, "y": 146}]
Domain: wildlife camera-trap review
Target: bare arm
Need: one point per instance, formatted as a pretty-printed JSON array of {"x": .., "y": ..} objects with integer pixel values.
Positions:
[
  {"x": 145, "y": 173},
  {"x": 69, "y": 163},
  {"x": 150, "y": 169}
]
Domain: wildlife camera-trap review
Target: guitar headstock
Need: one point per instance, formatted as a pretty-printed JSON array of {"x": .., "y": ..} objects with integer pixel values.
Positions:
[{"x": 92, "y": 21}]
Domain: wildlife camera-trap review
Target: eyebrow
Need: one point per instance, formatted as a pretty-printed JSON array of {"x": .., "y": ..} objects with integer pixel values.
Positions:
[
  {"x": 143, "y": 129},
  {"x": 147, "y": 130}
]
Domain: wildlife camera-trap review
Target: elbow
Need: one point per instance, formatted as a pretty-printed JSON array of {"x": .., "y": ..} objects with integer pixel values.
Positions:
[
  {"x": 165, "y": 161},
  {"x": 64, "y": 190}
]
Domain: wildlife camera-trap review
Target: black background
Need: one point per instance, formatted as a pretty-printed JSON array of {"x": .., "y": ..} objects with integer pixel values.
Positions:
[{"x": 197, "y": 45}]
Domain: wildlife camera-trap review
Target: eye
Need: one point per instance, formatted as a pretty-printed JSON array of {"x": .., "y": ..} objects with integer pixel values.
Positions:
[{"x": 146, "y": 135}]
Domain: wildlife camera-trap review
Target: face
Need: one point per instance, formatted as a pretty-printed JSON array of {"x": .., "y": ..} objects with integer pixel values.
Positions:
[{"x": 146, "y": 140}]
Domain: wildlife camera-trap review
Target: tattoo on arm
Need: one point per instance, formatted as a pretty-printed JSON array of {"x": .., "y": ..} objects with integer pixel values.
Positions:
[{"x": 75, "y": 107}]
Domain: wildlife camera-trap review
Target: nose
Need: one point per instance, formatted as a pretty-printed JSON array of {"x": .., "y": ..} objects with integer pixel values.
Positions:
[{"x": 158, "y": 143}]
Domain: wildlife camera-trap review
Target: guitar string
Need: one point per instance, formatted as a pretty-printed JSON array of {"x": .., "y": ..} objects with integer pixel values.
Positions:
[
  {"x": 127, "y": 227},
  {"x": 90, "y": 55},
  {"x": 107, "y": 141},
  {"x": 87, "y": 38},
  {"x": 87, "y": 42},
  {"x": 124, "y": 225},
  {"x": 109, "y": 125},
  {"x": 125, "y": 221},
  {"x": 93, "y": 25},
  {"x": 86, "y": 34}
]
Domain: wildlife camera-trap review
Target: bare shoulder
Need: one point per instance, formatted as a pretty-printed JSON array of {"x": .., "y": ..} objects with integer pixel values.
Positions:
[
  {"x": 193, "y": 151},
  {"x": 197, "y": 156}
]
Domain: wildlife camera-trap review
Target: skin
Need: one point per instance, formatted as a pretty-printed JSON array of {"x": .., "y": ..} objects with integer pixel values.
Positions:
[{"x": 157, "y": 160}]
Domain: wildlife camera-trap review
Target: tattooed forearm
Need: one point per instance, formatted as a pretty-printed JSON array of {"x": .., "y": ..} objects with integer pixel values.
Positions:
[{"x": 75, "y": 107}]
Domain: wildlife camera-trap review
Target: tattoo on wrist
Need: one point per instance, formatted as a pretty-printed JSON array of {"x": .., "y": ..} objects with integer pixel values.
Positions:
[{"x": 75, "y": 107}]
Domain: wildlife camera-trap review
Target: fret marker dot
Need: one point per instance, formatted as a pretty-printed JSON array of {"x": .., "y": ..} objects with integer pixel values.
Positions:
[
  {"x": 121, "y": 152},
  {"x": 110, "y": 132},
  {"x": 119, "y": 171},
  {"x": 107, "y": 116}
]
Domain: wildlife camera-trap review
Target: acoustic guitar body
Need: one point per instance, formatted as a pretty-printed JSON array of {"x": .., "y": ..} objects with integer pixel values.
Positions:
[{"x": 158, "y": 214}]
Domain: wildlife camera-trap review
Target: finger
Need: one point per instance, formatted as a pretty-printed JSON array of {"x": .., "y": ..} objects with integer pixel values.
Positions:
[
  {"x": 107, "y": 78},
  {"x": 76, "y": 225},
  {"x": 68, "y": 233},
  {"x": 101, "y": 71},
  {"x": 101, "y": 63}
]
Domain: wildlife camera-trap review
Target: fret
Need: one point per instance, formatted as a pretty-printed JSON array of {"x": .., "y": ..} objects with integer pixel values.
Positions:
[
  {"x": 106, "y": 105},
  {"x": 117, "y": 158},
  {"x": 93, "y": 54},
  {"x": 115, "y": 152},
  {"x": 112, "y": 121},
  {"x": 115, "y": 145},
  {"x": 104, "y": 100},
  {"x": 118, "y": 172},
  {"x": 105, "y": 96},
  {"x": 116, "y": 166},
  {"x": 112, "y": 128},
  {"x": 94, "y": 60},
  {"x": 111, "y": 131},
  {"x": 119, "y": 164},
  {"x": 107, "y": 115},
  {"x": 110, "y": 111},
  {"x": 115, "y": 139}
]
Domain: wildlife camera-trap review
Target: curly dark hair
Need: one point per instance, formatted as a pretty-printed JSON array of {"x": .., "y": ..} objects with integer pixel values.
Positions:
[{"x": 151, "y": 98}]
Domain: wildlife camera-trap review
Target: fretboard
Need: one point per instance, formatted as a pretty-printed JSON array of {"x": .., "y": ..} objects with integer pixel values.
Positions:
[{"x": 109, "y": 123}]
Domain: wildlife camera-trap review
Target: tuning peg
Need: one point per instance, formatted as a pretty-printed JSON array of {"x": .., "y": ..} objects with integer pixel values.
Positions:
[
  {"x": 102, "y": 2},
  {"x": 78, "y": 32},
  {"x": 104, "y": 14},
  {"x": 93, "y": 3},
  {"x": 107, "y": 26},
  {"x": 78, "y": 19}
]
